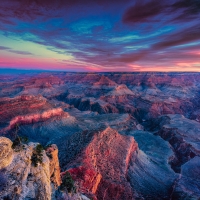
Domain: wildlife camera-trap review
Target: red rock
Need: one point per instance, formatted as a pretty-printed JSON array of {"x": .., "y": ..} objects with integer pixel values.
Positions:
[
  {"x": 105, "y": 81},
  {"x": 102, "y": 166},
  {"x": 26, "y": 110}
]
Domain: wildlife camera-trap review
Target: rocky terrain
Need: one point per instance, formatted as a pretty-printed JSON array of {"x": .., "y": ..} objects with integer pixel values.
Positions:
[{"x": 114, "y": 135}]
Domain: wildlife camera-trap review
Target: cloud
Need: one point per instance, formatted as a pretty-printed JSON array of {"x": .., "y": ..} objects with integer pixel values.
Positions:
[
  {"x": 190, "y": 6},
  {"x": 179, "y": 38},
  {"x": 4, "y": 48},
  {"x": 143, "y": 11},
  {"x": 152, "y": 10},
  {"x": 20, "y": 52},
  {"x": 15, "y": 51},
  {"x": 32, "y": 9}
]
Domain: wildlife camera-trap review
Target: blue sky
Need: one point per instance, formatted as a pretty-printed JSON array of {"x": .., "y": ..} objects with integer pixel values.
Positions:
[{"x": 100, "y": 35}]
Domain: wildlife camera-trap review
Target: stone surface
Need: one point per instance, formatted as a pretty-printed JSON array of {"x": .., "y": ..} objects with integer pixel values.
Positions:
[
  {"x": 149, "y": 172},
  {"x": 6, "y": 152},
  {"x": 25, "y": 181},
  {"x": 188, "y": 184},
  {"x": 182, "y": 134},
  {"x": 101, "y": 169},
  {"x": 52, "y": 153}
]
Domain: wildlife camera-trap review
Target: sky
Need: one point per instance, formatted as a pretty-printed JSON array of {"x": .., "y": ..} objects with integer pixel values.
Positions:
[{"x": 100, "y": 35}]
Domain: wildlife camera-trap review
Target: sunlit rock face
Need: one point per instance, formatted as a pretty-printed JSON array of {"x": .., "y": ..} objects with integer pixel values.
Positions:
[
  {"x": 25, "y": 180},
  {"x": 21, "y": 179},
  {"x": 104, "y": 82},
  {"x": 54, "y": 165},
  {"x": 129, "y": 169},
  {"x": 120, "y": 135},
  {"x": 103, "y": 165},
  {"x": 6, "y": 152},
  {"x": 26, "y": 109}
]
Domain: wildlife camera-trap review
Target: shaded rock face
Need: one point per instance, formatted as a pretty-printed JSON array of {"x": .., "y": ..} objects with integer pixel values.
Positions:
[
  {"x": 102, "y": 166},
  {"x": 186, "y": 187},
  {"x": 182, "y": 135},
  {"x": 92, "y": 104},
  {"x": 76, "y": 196},
  {"x": 149, "y": 173},
  {"x": 25, "y": 181}
]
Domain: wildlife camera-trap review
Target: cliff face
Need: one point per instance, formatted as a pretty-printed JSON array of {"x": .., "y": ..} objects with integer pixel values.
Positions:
[
  {"x": 33, "y": 118},
  {"x": 102, "y": 166},
  {"x": 182, "y": 135},
  {"x": 24, "y": 180},
  {"x": 52, "y": 153},
  {"x": 187, "y": 186},
  {"x": 6, "y": 153},
  {"x": 26, "y": 109}
]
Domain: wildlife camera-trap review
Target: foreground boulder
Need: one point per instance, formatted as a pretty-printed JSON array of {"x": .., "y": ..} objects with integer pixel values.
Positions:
[{"x": 25, "y": 179}]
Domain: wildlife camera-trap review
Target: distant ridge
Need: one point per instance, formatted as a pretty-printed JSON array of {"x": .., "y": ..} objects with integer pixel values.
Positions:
[{"x": 19, "y": 71}]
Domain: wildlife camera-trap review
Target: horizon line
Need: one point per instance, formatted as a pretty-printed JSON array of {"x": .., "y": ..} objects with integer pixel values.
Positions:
[{"x": 48, "y": 70}]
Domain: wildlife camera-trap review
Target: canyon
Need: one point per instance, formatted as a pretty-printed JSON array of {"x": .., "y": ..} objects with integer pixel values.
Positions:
[{"x": 121, "y": 136}]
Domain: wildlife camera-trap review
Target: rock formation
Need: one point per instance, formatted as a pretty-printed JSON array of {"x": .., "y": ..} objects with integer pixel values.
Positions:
[
  {"x": 52, "y": 153},
  {"x": 102, "y": 166},
  {"x": 25, "y": 180},
  {"x": 120, "y": 90},
  {"x": 186, "y": 187},
  {"x": 104, "y": 82},
  {"x": 182, "y": 134},
  {"x": 6, "y": 152}
]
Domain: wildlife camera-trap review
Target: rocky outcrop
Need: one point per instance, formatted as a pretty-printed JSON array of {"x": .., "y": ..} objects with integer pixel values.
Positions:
[
  {"x": 92, "y": 104},
  {"x": 33, "y": 118},
  {"x": 120, "y": 90},
  {"x": 149, "y": 173},
  {"x": 6, "y": 152},
  {"x": 104, "y": 82},
  {"x": 187, "y": 185},
  {"x": 44, "y": 81},
  {"x": 26, "y": 181},
  {"x": 182, "y": 134},
  {"x": 90, "y": 78},
  {"x": 26, "y": 109},
  {"x": 101, "y": 168},
  {"x": 52, "y": 153},
  {"x": 76, "y": 196}
]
